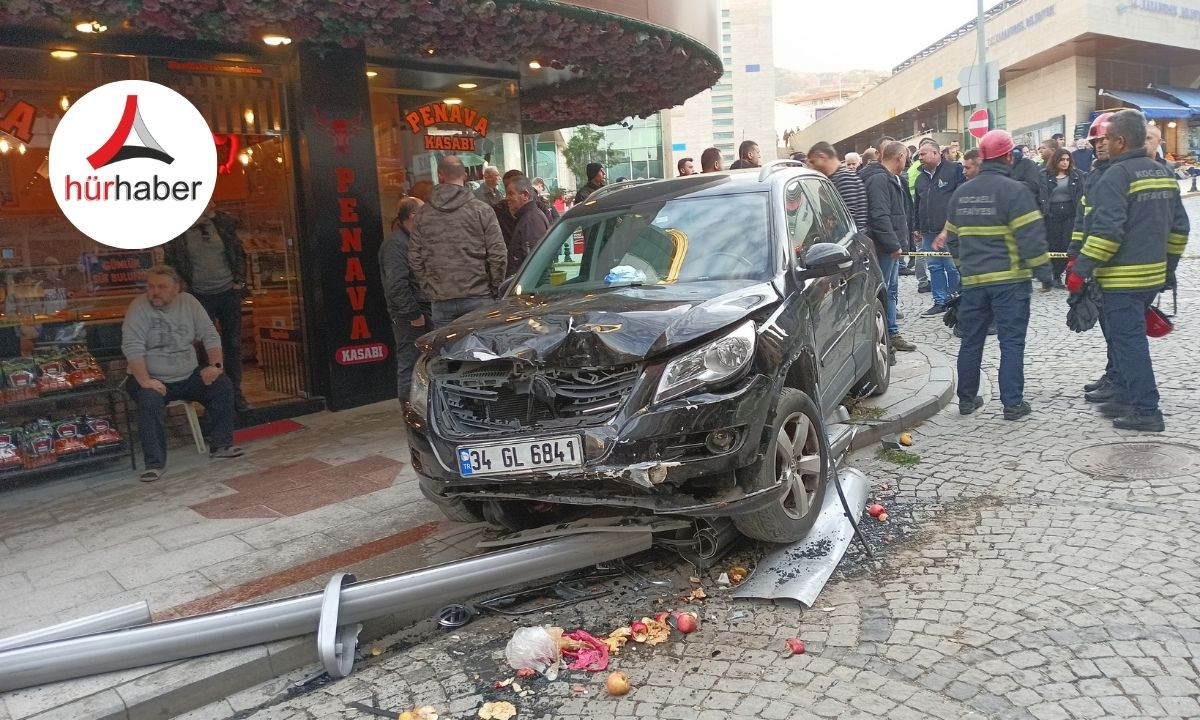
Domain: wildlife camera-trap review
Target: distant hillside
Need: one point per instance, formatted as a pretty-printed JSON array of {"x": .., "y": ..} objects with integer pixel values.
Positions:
[{"x": 795, "y": 82}]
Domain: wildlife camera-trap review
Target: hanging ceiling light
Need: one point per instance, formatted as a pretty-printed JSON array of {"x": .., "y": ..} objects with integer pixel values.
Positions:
[
  {"x": 372, "y": 73},
  {"x": 63, "y": 54},
  {"x": 91, "y": 27},
  {"x": 64, "y": 102},
  {"x": 277, "y": 40},
  {"x": 4, "y": 146},
  {"x": 535, "y": 65},
  {"x": 468, "y": 85},
  {"x": 21, "y": 148},
  {"x": 249, "y": 116},
  {"x": 453, "y": 101}
]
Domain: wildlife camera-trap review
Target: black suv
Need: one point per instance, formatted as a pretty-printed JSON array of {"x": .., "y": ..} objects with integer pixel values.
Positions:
[{"x": 670, "y": 347}]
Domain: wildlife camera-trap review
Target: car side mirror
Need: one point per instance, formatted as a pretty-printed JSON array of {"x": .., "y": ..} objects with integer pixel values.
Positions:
[{"x": 823, "y": 260}]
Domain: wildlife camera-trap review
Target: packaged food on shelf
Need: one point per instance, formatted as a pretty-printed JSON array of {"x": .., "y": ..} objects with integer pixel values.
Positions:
[
  {"x": 11, "y": 455},
  {"x": 83, "y": 368},
  {"x": 99, "y": 433},
  {"x": 39, "y": 443},
  {"x": 53, "y": 377},
  {"x": 67, "y": 441},
  {"x": 20, "y": 379}
]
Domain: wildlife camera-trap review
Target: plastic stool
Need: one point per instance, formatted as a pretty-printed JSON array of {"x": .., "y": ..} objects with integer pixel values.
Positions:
[{"x": 194, "y": 423}]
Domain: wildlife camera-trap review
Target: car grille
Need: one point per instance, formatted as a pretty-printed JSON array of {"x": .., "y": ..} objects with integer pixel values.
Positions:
[{"x": 496, "y": 397}]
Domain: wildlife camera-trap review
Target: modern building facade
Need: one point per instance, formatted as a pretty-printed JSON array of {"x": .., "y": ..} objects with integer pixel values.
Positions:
[
  {"x": 1060, "y": 61},
  {"x": 741, "y": 105},
  {"x": 351, "y": 111}
]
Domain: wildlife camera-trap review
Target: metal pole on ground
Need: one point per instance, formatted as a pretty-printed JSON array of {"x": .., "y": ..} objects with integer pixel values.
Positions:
[{"x": 290, "y": 617}]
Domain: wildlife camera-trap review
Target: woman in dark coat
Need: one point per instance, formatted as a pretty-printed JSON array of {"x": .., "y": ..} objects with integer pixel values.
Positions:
[{"x": 1065, "y": 188}]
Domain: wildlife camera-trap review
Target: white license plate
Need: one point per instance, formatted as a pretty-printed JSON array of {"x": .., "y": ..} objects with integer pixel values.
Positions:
[{"x": 506, "y": 458}]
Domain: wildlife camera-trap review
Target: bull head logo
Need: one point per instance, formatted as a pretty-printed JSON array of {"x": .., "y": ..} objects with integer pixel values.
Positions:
[{"x": 339, "y": 129}]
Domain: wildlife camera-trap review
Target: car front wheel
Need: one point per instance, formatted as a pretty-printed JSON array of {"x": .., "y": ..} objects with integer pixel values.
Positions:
[{"x": 797, "y": 458}]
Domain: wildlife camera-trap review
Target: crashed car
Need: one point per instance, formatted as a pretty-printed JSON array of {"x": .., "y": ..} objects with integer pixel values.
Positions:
[{"x": 681, "y": 362}]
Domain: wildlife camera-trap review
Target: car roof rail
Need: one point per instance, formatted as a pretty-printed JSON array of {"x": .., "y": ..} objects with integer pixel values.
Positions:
[
  {"x": 776, "y": 164},
  {"x": 612, "y": 187}
]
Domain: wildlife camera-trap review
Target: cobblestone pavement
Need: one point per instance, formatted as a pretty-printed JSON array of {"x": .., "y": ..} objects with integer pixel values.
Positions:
[{"x": 1009, "y": 584}]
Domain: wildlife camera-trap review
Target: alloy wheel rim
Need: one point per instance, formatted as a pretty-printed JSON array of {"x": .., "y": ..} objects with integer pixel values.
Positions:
[
  {"x": 798, "y": 463},
  {"x": 881, "y": 342}
]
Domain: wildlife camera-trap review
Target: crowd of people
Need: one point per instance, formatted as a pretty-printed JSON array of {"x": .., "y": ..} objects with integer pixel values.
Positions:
[{"x": 1112, "y": 211}]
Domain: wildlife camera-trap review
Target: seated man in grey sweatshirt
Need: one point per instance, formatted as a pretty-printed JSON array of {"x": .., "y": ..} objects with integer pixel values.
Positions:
[{"x": 157, "y": 339}]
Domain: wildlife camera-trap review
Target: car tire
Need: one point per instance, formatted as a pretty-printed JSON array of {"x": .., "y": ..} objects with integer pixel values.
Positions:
[
  {"x": 454, "y": 509},
  {"x": 797, "y": 454},
  {"x": 879, "y": 377}
]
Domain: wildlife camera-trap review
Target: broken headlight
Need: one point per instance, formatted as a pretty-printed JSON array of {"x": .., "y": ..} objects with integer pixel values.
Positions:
[
  {"x": 717, "y": 361},
  {"x": 418, "y": 394}
]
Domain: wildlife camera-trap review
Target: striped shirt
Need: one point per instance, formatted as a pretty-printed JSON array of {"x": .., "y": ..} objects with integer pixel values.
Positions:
[{"x": 853, "y": 193}]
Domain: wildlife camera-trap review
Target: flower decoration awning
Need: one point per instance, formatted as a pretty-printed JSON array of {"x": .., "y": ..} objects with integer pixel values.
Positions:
[{"x": 618, "y": 66}]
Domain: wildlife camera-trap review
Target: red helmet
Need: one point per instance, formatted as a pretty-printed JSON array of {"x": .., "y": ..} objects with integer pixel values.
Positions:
[
  {"x": 995, "y": 144},
  {"x": 1157, "y": 323},
  {"x": 1099, "y": 127}
]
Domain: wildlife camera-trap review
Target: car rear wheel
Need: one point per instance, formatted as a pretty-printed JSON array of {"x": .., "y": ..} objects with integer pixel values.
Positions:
[
  {"x": 797, "y": 457},
  {"x": 878, "y": 378}
]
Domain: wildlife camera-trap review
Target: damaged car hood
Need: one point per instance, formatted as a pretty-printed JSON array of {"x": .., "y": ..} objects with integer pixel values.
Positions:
[{"x": 609, "y": 326}]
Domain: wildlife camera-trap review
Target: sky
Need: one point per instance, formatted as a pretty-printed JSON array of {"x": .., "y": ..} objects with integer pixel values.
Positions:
[{"x": 832, "y": 35}]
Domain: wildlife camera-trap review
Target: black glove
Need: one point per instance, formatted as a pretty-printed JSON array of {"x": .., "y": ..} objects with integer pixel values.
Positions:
[
  {"x": 1084, "y": 312},
  {"x": 950, "y": 317}
]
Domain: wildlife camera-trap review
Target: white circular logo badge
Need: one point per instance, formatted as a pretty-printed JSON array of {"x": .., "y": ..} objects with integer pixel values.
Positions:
[{"x": 133, "y": 164}]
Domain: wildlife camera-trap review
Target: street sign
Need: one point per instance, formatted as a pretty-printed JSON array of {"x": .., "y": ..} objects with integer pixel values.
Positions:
[
  {"x": 977, "y": 124},
  {"x": 979, "y": 87}
]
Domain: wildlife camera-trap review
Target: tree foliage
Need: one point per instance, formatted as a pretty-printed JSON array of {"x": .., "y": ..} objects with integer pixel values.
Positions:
[{"x": 587, "y": 145}]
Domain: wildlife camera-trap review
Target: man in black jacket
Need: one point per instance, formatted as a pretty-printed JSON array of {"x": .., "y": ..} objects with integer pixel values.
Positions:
[
  {"x": 936, "y": 182},
  {"x": 211, "y": 262},
  {"x": 532, "y": 223},
  {"x": 887, "y": 225},
  {"x": 1026, "y": 171}
]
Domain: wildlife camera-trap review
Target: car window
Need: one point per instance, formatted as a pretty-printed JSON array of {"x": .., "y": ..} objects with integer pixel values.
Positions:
[
  {"x": 834, "y": 224},
  {"x": 681, "y": 240},
  {"x": 801, "y": 216}
]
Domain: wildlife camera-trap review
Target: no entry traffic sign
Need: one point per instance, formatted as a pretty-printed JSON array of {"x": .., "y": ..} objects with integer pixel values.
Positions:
[{"x": 977, "y": 124}]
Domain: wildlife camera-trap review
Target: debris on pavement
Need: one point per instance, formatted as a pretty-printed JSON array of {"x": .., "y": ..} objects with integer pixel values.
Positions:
[
  {"x": 617, "y": 639},
  {"x": 875, "y": 510},
  {"x": 693, "y": 596},
  {"x": 497, "y": 711},
  {"x": 906, "y": 439},
  {"x": 685, "y": 622},
  {"x": 794, "y": 646},
  {"x": 655, "y": 632},
  {"x": 617, "y": 683},
  {"x": 535, "y": 648},
  {"x": 590, "y": 656},
  {"x": 426, "y": 712}
]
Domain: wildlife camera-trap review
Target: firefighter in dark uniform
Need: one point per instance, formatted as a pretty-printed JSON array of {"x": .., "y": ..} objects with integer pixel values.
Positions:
[
  {"x": 1136, "y": 236},
  {"x": 995, "y": 232},
  {"x": 1100, "y": 390}
]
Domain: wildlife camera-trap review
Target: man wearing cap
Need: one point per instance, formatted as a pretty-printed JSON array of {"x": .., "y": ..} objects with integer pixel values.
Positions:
[
  {"x": 1137, "y": 234},
  {"x": 596, "y": 177},
  {"x": 995, "y": 232}
]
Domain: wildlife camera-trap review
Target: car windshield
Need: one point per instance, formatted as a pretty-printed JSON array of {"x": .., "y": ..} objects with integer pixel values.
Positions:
[{"x": 725, "y": 237}]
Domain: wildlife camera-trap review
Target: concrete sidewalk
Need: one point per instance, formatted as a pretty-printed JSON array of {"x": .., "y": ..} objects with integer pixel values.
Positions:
[{"x": 333, "y": 495}]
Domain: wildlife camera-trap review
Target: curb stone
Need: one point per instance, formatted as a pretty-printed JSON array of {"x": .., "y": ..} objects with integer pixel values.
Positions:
[{"x": 927, "y": 402}]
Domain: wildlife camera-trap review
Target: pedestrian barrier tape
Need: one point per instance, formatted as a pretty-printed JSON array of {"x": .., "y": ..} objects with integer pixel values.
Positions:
[{"x": 946, "y": 254}]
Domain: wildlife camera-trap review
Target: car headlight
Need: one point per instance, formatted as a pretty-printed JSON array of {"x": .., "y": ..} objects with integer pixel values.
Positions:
[
  {"x": 719, "y": 360},
  {"x": 418, "y": 394}
]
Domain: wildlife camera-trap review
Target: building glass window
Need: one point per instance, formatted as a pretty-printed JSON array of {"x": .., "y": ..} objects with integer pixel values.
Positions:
[
  {"x": 722, "y": 122},
  {"x": 722, "y": 88},
  {"x": 722, "y": 99},
  {"x": 722, "y": 136},
  {"x": 726, "y": 26},
  {"x": 722, "y": 111},
  {"x": 726, "y": 37},
  {"x": 727, "y": 50},
  {"x": 724, "y": 13},
  {"x": 634, "y": 152},
  {"x": 57, "y": 280},
  {"x": 414, "y": 128}
]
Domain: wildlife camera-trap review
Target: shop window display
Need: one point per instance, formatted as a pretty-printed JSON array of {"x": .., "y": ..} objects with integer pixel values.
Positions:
[{"x": 55, "y": 280}]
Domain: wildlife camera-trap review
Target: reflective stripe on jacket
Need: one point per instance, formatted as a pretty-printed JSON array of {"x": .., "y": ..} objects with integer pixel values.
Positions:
[
  {"x": 1138, "y": 227},
  {"x": 1084, "y": 210},
  {"x": 994, "y": 229}
]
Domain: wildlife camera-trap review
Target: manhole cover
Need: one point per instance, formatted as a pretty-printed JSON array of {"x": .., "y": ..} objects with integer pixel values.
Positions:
[{"x": 1136, "y": 461}]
